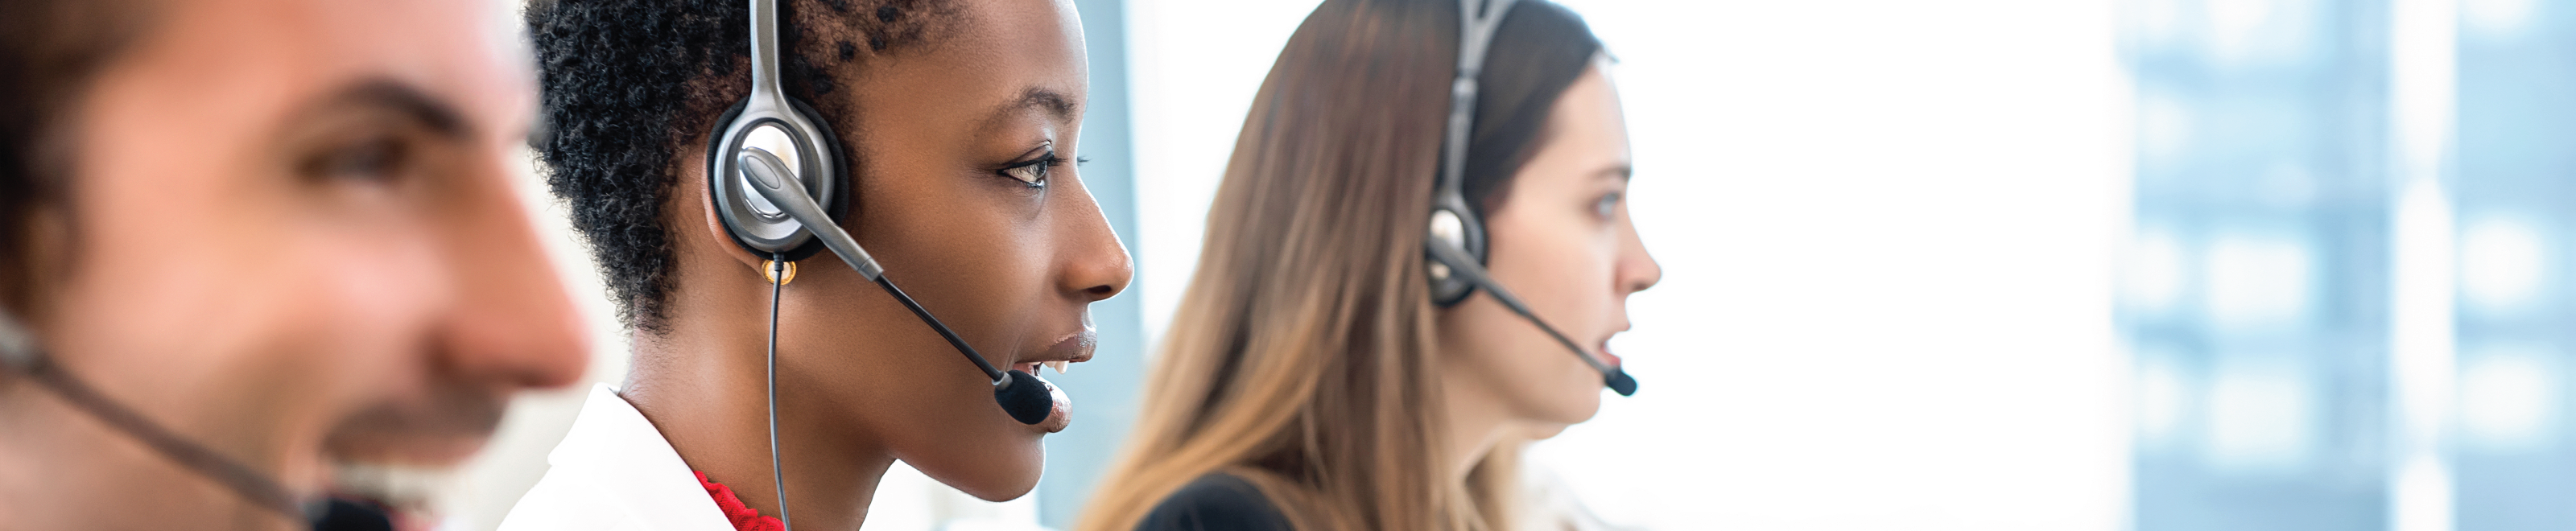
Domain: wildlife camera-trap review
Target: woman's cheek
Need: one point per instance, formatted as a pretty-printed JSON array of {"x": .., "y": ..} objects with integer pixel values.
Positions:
[{"x": 1565, "y": 389}]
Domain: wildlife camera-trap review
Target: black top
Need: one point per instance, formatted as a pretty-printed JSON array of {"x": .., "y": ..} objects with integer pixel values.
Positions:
[{"x": 1216, "y": 502}]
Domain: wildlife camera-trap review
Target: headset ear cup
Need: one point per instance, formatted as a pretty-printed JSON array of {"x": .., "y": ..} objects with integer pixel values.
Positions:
[
  {"x": 1463, "y": 231},
  {"x": 715, "y": 169},
  {"x": 1446, "y": 290},
  {"x": 841, "y": 203},
  {"x": 837, "y": 203}
]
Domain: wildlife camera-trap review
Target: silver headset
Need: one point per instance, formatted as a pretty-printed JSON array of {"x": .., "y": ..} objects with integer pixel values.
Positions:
[
  {"x": 767, "y": 161},
  {"x": 1455, "y": 243}
]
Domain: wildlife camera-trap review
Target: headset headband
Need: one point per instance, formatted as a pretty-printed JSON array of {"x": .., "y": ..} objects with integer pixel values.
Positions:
[
  {"x": 1475, "y": 35},
  {"x": 1453, "y": 222},
  {"x": 1454, "y": 248}
]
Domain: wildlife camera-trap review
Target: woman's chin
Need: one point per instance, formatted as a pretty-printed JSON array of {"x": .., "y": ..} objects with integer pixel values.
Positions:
[
  {"x": 1543, "y": 430},
  {"x": 990, "y": 477},
  {"x": 1571, "y": 408},
  {"x": 995, "y": 489}
]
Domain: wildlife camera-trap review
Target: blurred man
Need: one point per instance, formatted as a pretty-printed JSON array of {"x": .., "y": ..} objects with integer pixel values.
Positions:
[{"x": 244, "y": 241}]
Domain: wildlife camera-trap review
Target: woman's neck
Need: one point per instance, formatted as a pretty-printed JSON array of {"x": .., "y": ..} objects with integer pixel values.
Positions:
[
  {"x": 705, "y": 389},
  {"x": 1474, "y": 424}
]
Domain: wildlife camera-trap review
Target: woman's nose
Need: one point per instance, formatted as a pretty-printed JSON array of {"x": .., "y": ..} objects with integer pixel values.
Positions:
[
  {"x": 1097, "y": 264},
  {"x": 1637, "y": 269}
]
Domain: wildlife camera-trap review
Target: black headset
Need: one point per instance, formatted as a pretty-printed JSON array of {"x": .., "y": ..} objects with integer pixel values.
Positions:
[
  {"x": 1455, "y": 246},
  {"x": 767, "y": 160},
  {"x": 22, "y": 354}
]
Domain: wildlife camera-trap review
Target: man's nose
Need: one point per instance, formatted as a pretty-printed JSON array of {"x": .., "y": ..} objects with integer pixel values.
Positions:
[{"x": 513, "y": 325}]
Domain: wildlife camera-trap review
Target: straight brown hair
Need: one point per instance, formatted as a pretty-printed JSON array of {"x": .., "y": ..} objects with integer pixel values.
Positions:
[{"x": 1302, "y": 359}]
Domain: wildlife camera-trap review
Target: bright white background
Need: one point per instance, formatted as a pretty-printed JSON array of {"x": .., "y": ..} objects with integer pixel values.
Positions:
[{"x": 1886, "y": 228}]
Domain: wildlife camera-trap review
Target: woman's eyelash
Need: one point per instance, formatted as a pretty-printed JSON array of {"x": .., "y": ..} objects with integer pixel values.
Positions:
[{"x": 1032, "y": 172}]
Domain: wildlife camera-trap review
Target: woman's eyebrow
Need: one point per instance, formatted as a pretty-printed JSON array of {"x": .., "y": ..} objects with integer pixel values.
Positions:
[
  {"x": 1056, "y": 104},
  {"x": 1621, "y": 170}
]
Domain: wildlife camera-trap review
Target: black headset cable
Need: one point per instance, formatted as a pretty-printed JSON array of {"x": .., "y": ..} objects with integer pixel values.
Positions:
[{"x": 777, "y": 473}]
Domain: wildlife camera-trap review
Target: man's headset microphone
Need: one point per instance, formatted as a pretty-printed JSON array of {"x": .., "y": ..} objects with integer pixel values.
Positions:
[
  {"x": 23, "y": 355},
  {"x": 761, "y": 150},
  {"x": 763, "y": 146}
]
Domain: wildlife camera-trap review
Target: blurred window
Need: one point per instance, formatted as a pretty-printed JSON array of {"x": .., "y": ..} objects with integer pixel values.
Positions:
[{"x": 2261, "y": 291}]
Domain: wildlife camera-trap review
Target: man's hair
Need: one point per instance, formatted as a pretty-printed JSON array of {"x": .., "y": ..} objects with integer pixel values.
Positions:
[
  {"x": 50, "y": 51},
  {"x": 627, "y": 85}
]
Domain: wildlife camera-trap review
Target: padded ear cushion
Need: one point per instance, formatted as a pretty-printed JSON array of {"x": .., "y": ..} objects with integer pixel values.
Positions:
[
  {"x": 1471, "y": 239},
  {"x": 839, "y": 205}
]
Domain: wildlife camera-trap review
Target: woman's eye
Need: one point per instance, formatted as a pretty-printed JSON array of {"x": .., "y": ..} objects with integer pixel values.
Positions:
[
  {"x": 1034, "y": 171},
  {"x": 1027, "y": 173},
  {"x": 1607, "y": 205}
]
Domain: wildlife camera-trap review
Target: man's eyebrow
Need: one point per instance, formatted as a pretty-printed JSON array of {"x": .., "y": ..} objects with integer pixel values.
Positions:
[
  {"x": 1055, "y": 103},
  {"x": 403, "y": 99}
]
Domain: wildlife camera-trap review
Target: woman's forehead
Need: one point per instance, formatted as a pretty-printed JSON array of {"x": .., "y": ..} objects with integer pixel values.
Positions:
[{"x": 1008, "y": 55}]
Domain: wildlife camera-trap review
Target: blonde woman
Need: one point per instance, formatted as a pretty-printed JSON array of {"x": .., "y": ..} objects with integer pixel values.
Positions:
[{"x": 1327, "y": 372}]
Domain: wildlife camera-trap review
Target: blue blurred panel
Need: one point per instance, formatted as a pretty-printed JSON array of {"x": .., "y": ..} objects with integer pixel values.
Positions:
[
  {"x": 2256, "y": 303},
  {"x": 2515, "y": 443},
  {"x": 1106, "y": 393}
]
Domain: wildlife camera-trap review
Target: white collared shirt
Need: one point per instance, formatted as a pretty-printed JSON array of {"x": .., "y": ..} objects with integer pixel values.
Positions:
[{"x": 615, "y": 472}]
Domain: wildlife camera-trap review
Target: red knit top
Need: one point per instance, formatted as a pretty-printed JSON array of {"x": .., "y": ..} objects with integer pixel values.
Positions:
[{"x": 744, "y": 517}]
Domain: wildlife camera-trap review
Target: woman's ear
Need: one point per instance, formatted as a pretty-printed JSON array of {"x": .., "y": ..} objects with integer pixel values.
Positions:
[{"x": 693, "y": 189}]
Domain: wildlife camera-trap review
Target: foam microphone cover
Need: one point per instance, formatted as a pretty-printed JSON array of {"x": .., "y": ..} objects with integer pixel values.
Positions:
[
  {"x": 1024, "y": 397},
  {"x": 1619, "y": 381},
  {"x": 342, "y": 514}
]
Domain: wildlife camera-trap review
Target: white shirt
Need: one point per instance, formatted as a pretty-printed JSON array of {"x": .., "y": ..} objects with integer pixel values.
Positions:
[{"x": 615, "y": 472}]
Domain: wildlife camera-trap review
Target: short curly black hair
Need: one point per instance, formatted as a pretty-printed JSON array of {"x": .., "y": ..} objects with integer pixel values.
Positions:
[{"x": 628, "y": 84}]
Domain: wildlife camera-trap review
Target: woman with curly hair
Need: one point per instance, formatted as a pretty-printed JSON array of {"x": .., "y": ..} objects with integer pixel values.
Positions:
[{"x": 957, "y": 122}]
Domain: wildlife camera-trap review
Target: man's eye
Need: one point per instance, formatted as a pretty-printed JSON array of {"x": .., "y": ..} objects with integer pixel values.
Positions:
[{"x": 373, "y": 160}]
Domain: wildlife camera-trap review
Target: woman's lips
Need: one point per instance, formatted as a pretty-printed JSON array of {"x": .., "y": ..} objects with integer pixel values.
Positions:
[{"x": 1074, "y": 347}]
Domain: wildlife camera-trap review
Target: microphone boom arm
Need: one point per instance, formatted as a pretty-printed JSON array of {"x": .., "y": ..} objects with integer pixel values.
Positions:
[
  {"x": 1461, "y": 266},
  {"x": 769, "y": 177}
]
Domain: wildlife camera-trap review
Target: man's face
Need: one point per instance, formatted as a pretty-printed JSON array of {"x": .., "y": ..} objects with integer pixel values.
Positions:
[{"x": 290, "y": 234}]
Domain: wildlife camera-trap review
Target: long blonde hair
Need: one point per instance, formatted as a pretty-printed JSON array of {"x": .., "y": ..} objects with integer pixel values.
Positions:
[{"x": 1302, "y": 357}]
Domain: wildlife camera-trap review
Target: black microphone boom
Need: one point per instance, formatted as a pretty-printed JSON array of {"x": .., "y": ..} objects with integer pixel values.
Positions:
[
  {"x": 1019, "y": 393},
  {"x": 1463, "y": 267},
  {"x": 20, "y": 353}
]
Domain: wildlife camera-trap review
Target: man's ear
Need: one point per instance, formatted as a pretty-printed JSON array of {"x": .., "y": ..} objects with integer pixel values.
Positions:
[{"x": 43, "y": 256}]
